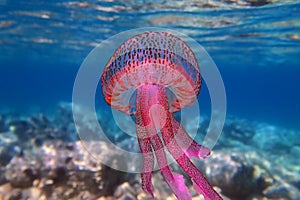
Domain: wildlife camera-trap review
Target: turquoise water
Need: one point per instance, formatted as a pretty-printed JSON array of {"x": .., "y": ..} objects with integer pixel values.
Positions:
[
  {"x": 254, "y": 43},
  {"x": 256, "y": 48}
]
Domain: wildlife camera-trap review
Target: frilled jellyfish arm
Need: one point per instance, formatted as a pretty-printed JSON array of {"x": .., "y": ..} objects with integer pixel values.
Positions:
[
  {"x": 188, "y": 145},
  {"x": 148, "y": 139},
  {"x": 182, "y": 155},
  {"x": 153, "y": 116},
  {"x": 148, "y": 164}
]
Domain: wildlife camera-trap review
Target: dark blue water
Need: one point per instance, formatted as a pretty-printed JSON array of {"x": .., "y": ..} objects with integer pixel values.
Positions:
[{"x": 256, "y": 48}]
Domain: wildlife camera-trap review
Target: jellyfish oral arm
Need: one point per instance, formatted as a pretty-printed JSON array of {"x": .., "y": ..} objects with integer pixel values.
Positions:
[
  {"x": 147, "y": 99},
  {"x": 153, "y": 116},
  {"x": 188, "y": 145}
]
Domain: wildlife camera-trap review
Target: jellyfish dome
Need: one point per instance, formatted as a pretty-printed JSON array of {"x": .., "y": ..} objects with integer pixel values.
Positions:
[{"x": 151, "y": 58}]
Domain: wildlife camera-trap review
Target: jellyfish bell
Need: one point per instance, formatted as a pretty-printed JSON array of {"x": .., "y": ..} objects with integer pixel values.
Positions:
[{"x": 151, "y": 58}]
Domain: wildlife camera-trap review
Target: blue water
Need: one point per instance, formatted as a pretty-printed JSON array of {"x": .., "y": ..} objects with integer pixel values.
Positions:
[{"x": 256, "y": 49}]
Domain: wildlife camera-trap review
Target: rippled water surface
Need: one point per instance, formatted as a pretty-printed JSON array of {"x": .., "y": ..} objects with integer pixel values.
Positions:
[{"x": 255, "y": 44}]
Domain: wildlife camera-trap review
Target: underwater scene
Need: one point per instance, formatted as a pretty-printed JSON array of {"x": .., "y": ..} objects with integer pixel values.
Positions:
[{"x": 213, "y": 113}]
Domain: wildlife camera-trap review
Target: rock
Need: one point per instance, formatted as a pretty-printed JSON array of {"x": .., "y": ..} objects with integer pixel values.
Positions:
[
  {"x": 271, "y": 139},
  {"x": 20, "y": 128},
  {"x": 64, "y": 170},
  {"x": 106, "y": 198},
  {"x": 61, "y": 128},
  {"x": 40, "y": 122},
  {"x": 236, "y": 134},
  {"x": 16, "y": 194},
  {"x": 161, "y": 188},
  {"x": 21, "y": 173},
  {"x": 231, "y": 173},
  {"x": 200, "y": 196},
  {"x": 284, "y": 191},
  {"x": 8, "y": 147},
  {"x": 125, "y": 192},
  {"x": 64, "y": 112},
  {"x": 5, "y": 191},
  {"x": 61, "y": 161},
  {"x": 3, "y": 127},
  {"x": 8, "y": 192},
  {"x": 2, "y": 176},
  {"x": 295, "y": 152},
  {"x": 110, "y": 178},
  {"x": 38, "y": 128},
  {"x": 243, "y": 175},
  {"x": 237, "y": 129}
]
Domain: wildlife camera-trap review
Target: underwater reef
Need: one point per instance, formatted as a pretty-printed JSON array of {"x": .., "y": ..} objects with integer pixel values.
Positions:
[{"x": 41, "y": 157}]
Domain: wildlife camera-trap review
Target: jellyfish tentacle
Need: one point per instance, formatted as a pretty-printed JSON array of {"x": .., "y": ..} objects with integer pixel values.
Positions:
[
  {"x": 147, "y": 97},
  {"x": 188, "y": 145},
  {"x": 148, "y": 165},
  {"x": 201, "y": 184},
  {"x": 175, "y": 181},
  {"x": 146, "y": 150}
]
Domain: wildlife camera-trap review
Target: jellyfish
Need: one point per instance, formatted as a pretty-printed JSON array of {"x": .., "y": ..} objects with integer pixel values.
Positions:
[{"x": 151, "y": 76}]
